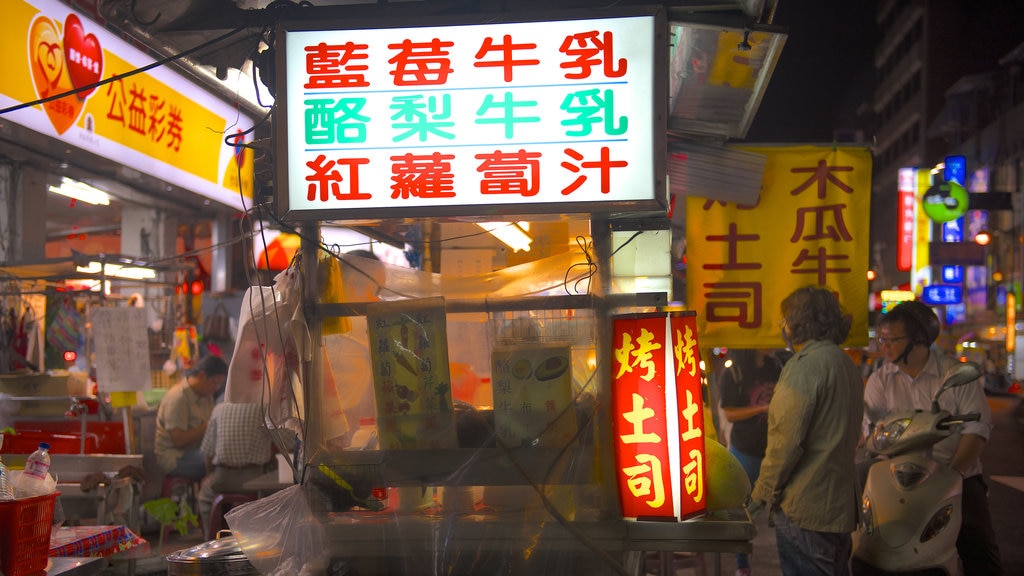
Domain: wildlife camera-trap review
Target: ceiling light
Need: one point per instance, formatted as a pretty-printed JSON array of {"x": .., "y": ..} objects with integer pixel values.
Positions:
[
  {"x": 511, "y": 233},
  {"x": 81, "y": 191},
  {"x": 118, "y": 270}
]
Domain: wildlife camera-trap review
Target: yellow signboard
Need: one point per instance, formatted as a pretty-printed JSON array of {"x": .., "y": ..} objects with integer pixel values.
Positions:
[
  {"x": 156, "y": 121},
  {"x": 810, "y": 227}
]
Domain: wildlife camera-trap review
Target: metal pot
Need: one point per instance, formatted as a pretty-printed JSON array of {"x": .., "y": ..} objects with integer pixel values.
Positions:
[{"x": 220, "y": 557}]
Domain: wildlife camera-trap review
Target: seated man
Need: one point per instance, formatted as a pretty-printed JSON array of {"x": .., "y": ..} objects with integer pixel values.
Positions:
[
  {"x": 237, "y": 448},
  {"x": 182, "y": 417}
]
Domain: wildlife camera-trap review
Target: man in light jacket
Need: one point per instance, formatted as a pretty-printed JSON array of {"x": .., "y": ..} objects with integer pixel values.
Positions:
[{"x": 808, "y": 475}]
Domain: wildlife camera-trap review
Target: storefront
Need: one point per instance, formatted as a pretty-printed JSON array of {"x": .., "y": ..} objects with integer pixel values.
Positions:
[{"x": 492, "y": 389}]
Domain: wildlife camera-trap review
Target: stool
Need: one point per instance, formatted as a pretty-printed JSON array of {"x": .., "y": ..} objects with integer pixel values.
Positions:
[
  {"x": 183, "y": 487},
  {"x": 222, "y": 503},
  {"x": 180, "y": 485}
]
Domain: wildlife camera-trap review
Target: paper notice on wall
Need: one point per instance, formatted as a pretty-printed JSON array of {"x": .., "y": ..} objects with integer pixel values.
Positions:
[
  {"x": 533, "y": 399},
  {"x": 121, "y": 345},
  {"x": 411, "y": 378}
]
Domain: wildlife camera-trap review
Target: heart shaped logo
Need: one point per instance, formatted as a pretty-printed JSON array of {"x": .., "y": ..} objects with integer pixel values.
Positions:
[
  {"x": 49, "y": 73},
  {"x": 83, "y": 55}
]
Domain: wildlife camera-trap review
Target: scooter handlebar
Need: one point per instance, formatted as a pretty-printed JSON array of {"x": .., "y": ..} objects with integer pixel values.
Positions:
[{"x": 960, "y": 419}]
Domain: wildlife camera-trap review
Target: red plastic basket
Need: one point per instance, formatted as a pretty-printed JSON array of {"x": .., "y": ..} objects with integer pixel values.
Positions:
[{"x": 25, "y": 525}]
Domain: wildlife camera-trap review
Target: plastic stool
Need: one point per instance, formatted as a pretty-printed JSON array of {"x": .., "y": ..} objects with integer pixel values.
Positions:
[
  {"x": 173, "y": 486},
  {"x": 222, "y": 503}
]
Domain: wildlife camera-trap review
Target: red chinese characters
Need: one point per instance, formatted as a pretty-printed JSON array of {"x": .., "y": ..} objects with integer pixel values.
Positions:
[{"x": 147, "y": 114}]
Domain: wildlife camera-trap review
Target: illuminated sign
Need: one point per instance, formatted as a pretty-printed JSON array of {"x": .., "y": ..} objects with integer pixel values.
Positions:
[
  {"x": 953, "y": 231},
  {"x": 953, "y": 274},
  {"x": 685, "y": 358},
  {"x": 945, "y": 201},
  {"x": 956, "y": 313},
  {"x": 658, "y": 416},
  {"x": 907, "y": 211},
  {"x": 897, "y": 295},
  {"x": 955, "y": 169},
  {"x": 520, "y": 117},
  {"x": 156, "y": 122},
  {"x": 942, "y": 294}
]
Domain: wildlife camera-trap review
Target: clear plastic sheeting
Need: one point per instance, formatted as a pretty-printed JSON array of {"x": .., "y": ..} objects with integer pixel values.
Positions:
[{"x": 489, "y": 396}]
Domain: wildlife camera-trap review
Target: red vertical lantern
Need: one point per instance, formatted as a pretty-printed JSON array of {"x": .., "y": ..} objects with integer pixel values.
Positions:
[
  {"x": 643, "y": 458},
  {"x": 658, "y": 416},
  {"x": 690, "y": 402}
]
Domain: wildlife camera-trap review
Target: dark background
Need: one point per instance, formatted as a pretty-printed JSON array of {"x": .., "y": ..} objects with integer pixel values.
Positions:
[{"x": 823, "y": 74}]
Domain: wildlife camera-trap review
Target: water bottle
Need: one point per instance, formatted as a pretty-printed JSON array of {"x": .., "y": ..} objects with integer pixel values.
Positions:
[
  {"x": 32, "y": 481},
  {"x": 365, "y": 437}
]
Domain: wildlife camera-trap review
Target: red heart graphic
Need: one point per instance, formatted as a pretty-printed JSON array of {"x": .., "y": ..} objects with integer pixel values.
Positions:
[{"x": 83, "y": 55}]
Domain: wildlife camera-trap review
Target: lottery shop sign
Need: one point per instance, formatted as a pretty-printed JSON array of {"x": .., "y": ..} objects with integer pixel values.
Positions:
[
  {"x": 156, "y": 122},
  {"x": 521, "y": 117},
  {"x": 658, "y": 416}
]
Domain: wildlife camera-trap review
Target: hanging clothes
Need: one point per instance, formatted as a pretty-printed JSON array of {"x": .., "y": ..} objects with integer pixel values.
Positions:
[{"x": 35, "y": 351}]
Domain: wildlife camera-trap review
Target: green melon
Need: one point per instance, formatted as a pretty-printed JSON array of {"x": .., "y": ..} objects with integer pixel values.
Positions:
[{"x": 728, "y": 485}]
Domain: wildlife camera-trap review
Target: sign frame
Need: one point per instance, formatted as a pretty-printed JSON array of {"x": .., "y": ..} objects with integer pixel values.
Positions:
[{"x": 655, "y": 201}]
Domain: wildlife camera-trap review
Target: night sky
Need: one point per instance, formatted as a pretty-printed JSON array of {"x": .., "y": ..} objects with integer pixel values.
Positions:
[{"x": 825, "y": 68}]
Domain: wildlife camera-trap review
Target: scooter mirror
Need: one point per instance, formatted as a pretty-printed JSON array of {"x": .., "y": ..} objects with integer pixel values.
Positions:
[{"x": 964, "y": 373}]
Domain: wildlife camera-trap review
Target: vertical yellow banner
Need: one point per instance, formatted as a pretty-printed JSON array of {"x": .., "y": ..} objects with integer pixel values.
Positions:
[{"x": 810, "y": 227}]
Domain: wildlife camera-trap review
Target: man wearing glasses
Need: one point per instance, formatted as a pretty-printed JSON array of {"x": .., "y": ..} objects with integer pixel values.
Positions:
[{"x": 908, "y": 379}]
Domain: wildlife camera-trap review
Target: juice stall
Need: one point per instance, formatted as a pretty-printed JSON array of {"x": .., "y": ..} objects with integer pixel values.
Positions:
[{"x": 517, "y": 409}]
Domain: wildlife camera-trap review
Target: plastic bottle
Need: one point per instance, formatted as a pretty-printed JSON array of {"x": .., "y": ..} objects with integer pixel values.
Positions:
[
  {"x": 365, "y": 437},
  {"x": 32, "y": 481}
]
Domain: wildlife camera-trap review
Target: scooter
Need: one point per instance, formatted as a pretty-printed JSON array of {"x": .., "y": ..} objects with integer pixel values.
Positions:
[{"x": 910, "y": 506}]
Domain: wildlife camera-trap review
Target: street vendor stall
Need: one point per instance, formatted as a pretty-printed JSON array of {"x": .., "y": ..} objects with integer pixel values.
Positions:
[{"x": 534, "y": 408}]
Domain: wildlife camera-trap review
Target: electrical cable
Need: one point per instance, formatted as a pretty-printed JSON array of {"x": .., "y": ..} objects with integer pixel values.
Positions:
[{"x": 128, "y": 74}]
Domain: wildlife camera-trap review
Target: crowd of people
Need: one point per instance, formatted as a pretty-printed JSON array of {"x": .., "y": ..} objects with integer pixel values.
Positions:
[{"x": 796, "y": 427}]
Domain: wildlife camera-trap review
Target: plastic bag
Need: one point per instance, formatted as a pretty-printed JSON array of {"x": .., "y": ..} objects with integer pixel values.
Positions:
[
  {"x": 279, "y": 534},
  {"x": 332, "y": 289},
  {"x": 217, "y": 324},
  {"x": 65, "y": 330},
  {"x": 265, "y": 315}
]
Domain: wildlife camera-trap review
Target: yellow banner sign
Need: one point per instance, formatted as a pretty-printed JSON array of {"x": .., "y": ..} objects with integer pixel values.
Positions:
[
  {"x": 810, "y": 227},
  {"x": 157, "y": 121}
]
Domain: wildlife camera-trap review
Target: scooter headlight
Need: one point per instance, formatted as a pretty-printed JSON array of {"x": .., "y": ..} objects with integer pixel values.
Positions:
[
  {"x": 937, "y": 524},
  {"x": 885, "y": 436},
  {"x": 908, "y": 474}
]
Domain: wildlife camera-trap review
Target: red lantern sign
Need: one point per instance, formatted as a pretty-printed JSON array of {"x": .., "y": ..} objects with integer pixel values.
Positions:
[
  {"x": 690, "y": 412},
  {"x": 657, "y": 410}
]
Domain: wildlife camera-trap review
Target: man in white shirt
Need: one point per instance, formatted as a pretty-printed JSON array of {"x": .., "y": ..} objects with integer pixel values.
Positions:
[{"x": 908, "y": 379}]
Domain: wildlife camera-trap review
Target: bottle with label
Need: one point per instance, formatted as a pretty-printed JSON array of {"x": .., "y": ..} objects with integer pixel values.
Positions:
[
  {"x": 365, "y": 437},
  {"x": 32, "y": 481}
]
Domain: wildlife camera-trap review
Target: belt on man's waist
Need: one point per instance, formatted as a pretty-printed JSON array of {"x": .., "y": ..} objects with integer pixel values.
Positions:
[{"x": 243, "y": 467}]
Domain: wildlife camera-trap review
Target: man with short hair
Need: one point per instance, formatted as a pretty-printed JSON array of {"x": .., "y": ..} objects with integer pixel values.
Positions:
[{"x": 182, "y": 417}]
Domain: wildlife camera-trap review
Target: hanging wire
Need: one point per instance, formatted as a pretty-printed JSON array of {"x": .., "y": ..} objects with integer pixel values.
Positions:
[{"x": 130, "y": 73}]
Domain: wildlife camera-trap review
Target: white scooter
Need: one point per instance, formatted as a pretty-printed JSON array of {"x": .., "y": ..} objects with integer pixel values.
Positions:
[{"x": 910, "y": 508}]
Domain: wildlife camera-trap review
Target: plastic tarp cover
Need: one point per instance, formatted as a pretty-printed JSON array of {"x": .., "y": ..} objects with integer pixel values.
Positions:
[{"x": 491, "y": 464}]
